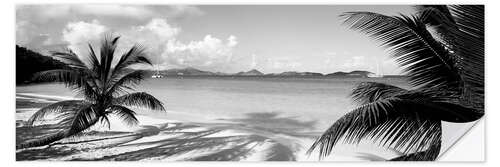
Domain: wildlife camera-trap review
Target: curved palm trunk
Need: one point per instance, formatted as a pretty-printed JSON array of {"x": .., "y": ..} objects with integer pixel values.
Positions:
[{"x": 55, "y": 137}]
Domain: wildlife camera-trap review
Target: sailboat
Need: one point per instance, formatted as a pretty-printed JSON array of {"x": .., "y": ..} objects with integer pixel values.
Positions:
[{"x": 157, "y": 75}]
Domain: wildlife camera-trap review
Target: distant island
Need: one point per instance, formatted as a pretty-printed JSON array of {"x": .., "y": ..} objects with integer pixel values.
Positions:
[
  {"x": 38, "y": 62},
  {"x": 190, "y": 71}
]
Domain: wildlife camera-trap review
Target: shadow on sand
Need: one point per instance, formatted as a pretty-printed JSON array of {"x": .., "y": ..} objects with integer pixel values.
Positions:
[{"x": 263, "y": 136}]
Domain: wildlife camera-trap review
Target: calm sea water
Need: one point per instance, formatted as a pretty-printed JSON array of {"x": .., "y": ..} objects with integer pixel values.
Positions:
[{"x": 304, "y": 99}]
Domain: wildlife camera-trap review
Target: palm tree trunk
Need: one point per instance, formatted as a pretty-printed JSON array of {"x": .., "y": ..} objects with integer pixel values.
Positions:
[{"x": 54, "y": 137}]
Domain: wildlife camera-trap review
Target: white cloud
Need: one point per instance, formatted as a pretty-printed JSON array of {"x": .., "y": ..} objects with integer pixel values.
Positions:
[
  {"x": 43, "y": 13},
  {"x": 210, "y": 53},
  {"x": 283, "y": 63},
  {"x": 181, "y": 10},
  {"x": 160, "y": 40},
  {"x": 78, "y": 34},
  {"x": 355, "y": 61},
  {"x": 161, "y": 28},
  {"x": 154, "y": 35},
  {"x": 137, "y": 12},
  {"x": 24, "y": 32}
]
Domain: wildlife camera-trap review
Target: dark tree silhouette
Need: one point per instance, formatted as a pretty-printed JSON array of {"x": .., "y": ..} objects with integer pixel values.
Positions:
[
  {"x": 446, "y": 70},
  {"x": 105, "y": 86},
  {"x": 29, "y": 62}
]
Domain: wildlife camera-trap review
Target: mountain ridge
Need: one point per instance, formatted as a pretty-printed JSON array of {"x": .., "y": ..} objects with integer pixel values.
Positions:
[{"x": 190, "y": 71}]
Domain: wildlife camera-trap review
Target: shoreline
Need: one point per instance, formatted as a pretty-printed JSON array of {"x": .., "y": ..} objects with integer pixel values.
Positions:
[
  {"x": 260, "y": 137},
  {"x": 157, "y": 139},
  {"x": 183, "y": 137}
]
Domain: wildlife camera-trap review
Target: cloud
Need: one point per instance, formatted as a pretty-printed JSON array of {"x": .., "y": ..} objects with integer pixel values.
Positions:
[
  {"x": 75, "y": 26},
  {"x": 185, "y": 10},
  {"x": 210, "y": 53},
  {"x": 33, "y": 20},
  {"x": 135, "y": 12},
  {"x": 283, "y": 63},
  {"x": 355, "y": 62},
  {"x": 345, "y": 61},
  {"x": 154, "y": 35},
  {"x": 78, "y": 34},
  {"x": 22, "y": 30},
  {"x": 44, "y": 13},
  {"x": 160, "y": 27},
  {"x": 160, "y": 40}
]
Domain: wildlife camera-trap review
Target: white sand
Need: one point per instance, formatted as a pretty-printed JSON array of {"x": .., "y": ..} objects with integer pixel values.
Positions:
[
  {"x": 158, "y": 139},
  {"x": 152, "y": 140}
]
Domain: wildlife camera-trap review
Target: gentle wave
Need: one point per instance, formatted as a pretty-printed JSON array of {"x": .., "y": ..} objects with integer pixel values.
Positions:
[{"x": 43, "y": 96}]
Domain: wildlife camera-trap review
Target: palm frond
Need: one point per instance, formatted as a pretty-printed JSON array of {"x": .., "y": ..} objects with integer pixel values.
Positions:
[
  {"x": 105, "y": 121},
  {"x": 436, "y": 15},
  {"x": 389, "y": 116},
  {"x": 58, "y": 107},
  {"x": 80, "y": 80},
  {"x": 79, "y": 120},
  {"x": 94, "y": 61},
  {"x": 140, "y": 99},
  {"x": 425, "y": 60},
  {"x": 427, "y": 155},
  {"x": 67, "y": 76},
  {"x": 125, "y": 114},
  {"x": 135, "y": 55},
  {"x": 470, "y": 47},
  {"x": 107, "y": 52},
  {"x": 70, "y": 59},
  {"x": 126, "y": 81},
  {"x": 439, "y": 18},
  {"x": 367, "y": 92}
]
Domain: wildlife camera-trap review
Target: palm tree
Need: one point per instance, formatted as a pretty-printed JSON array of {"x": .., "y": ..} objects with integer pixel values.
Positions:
[
  {"x": 105, "y": 85},
  {"x": 441, "y": 49}
]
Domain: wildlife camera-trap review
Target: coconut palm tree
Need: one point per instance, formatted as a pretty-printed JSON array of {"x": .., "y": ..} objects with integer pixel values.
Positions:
[
  {"x": 104, "y": 83},
  {"x": 441, "y": 49}
]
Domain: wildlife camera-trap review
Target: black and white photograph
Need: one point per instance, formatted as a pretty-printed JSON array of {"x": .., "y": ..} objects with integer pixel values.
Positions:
[{"x": 246, "y": 82}]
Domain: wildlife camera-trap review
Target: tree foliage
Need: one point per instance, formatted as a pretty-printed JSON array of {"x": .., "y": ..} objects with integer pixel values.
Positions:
[
  {"x": 105, "y": 83},
  {"x": 445, "y": 68}
]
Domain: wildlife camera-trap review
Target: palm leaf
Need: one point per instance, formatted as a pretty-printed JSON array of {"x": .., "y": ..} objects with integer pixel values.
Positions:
[
  {"x": 135, "y": 55},
  {"x": 470, "y": 47},
  {"x": 79, "y": 120},
  {"x": 439, "y": 19},
  {"x": 384, "y": 120},
  {"x": 67, "y": 76},
  {"x": 70, "y": 59},
  {"x": 140, "y": 99},
  {"x": 425, "y": 60},
  {"x": 126, "y": 81},
  {"x": 367, "y": 92},
  {"x": 94, "y": 61},
  {"x": 73, "y": 122},
  {"x": 58, "y": 107},
  {"x": 79, "y": 80},
  {"x": 108, "y": 47},
  {"x": 125, "y": 114},
  {"x": 427, "y": 155}
]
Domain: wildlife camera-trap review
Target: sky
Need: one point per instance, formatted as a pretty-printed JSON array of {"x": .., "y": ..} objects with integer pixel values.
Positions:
[{"x": 218, "y": 38}]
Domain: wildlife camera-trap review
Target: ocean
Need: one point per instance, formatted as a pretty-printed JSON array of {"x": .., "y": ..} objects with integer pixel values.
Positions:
[{"x": 317, "y": 101}]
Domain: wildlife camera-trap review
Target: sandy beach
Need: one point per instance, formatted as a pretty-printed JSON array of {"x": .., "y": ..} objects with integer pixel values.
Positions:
[
  {"x": 194, "y": 136},
  {"x": 259, "y": 138}
]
